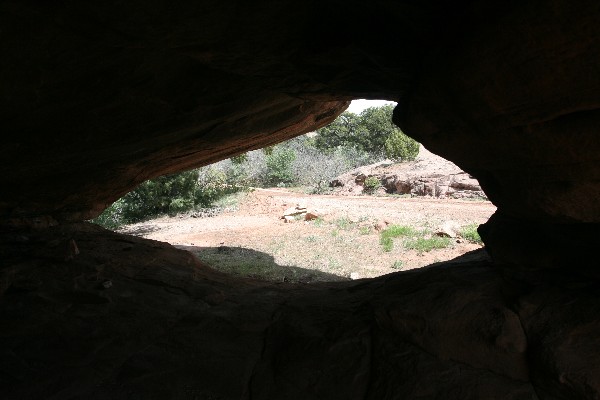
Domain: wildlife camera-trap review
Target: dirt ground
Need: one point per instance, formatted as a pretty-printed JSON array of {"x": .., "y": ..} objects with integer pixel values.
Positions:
[{"x": 252, "y": 239}]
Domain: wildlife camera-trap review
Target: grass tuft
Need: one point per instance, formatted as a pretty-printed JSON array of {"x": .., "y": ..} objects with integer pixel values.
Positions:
[
  {"x": 393, "y": 231},
  {"x": 422, "y": 244},
  {"x": 469, "y": 232},
  {"x": 398, "y": 265}
]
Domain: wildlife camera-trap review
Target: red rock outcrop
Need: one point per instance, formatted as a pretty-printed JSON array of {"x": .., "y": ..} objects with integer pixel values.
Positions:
[{"x": 98, "y": 97}]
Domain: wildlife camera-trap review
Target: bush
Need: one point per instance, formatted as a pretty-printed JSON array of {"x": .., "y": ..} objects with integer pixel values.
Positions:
[
  {"x": 112, "y": 216},
  {"x": 372, "y": 131},
  {"x": 212, "y": 184},
  {"x": 399, "y": 147},
  {"x": 371, "y": 185},
  {"x": 239, "y": 159},
  {"x": 470, "y": 233},
  {"x": 279, "y": 166}
]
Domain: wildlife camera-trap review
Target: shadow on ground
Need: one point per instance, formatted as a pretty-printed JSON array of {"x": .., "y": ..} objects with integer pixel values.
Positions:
[
  {"x": 249, "y": 263},
  {"x": 139, "y": 230}
]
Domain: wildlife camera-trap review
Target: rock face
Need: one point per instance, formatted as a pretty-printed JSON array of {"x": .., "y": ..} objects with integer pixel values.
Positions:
[
  {"x": 428, "y": 175},
  {"x": 96, "y": 98},
  {"x": 167, "y": 327}
]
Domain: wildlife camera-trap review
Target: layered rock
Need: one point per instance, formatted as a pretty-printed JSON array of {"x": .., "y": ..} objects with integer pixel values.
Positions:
[{"x": 428, "y": 175}]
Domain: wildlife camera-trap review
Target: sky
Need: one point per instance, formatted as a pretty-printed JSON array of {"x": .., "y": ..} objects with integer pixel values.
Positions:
[{"x": 358, "y": 105}]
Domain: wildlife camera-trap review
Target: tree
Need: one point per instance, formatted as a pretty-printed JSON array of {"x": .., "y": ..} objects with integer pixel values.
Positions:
[
  {"x": 399, "y": 147},
  {"x": 279, "y": 166},
  {"x": 344, "y": 131},
  {"x": 371, "y": 131}
]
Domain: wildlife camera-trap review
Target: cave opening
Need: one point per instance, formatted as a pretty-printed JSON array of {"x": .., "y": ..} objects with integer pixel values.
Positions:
[
  {"x": 99, "y": 97},
  {"x": 333, "y": 204}
]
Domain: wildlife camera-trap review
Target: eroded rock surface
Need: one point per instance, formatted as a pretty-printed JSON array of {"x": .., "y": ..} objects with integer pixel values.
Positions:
[
  {"x": 428, "y": 175},
  {"x": 168, "y": 327}
]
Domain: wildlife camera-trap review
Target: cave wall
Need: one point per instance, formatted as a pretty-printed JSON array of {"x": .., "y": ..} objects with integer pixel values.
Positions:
[{"x": 98, "y": 97}]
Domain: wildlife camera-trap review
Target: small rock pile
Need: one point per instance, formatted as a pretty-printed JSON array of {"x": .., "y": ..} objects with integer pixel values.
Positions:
[{"x": 298, "y": 213}]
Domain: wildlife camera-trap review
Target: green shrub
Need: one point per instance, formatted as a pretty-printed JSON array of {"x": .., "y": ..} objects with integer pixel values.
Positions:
[
  {"x": 387, "y": 243},
  {"x": 169, "y": 194},
  {"x": 212, "y": 184},
  {"x": 400, "y": 147},
  {"x": 239, "y": 159},
  {"x": 279, "y": 166},
  {"x": 371, "y": 184},
  {"x": 160, "y": 196},
  {"x": 469, "y": 232},
  {"x": 112, "y": 216}
]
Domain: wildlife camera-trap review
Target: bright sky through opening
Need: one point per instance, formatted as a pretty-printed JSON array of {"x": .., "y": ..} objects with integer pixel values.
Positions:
[{"x": 359, "y": 105}]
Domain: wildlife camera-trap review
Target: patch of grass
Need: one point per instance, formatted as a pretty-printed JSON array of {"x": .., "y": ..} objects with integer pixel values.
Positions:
[
  {"x": 312, "y": 239},
  {"x": 343, "y": 223},
  {"x": 469, "y": 232},
  {"x": 364, "y": 230},
  {"x": 398, "y": 264},
  {"x": 334, "y": 264},
  {"x": 335, "y": 233},
  {"x": 423, "y": 244},
  {"x": 318, "y": 222},
  {"x": 393, "y": 231},
  {"x": 387, "y": 243}
]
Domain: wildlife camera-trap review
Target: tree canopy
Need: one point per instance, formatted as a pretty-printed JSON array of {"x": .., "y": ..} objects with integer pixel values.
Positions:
[{"x": 371, "y": 131}]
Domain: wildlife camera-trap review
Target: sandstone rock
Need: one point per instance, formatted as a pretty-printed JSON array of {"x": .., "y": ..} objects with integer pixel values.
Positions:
[
  {"x": 429, "y": 175},
  {"x": 309, "y": 216},
  {"x": 448, "y": 229}
]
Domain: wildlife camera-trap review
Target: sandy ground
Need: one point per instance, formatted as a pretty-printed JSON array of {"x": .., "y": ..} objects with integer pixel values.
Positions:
[{"x": 343, "y": 243}]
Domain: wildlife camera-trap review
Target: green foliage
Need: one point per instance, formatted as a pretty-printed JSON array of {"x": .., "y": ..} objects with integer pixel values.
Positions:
[
  {"x": 387, "y": 243},
  {"x": 364, "y": 230},
  {"x": 371, "y": 184},
  {"x": 393, "y": 231},
  {"x": 349, "y": 142},
  {"x": 268, "y": 150},
  {"x": 213, "y": 184},
  {"x": 398, "y": 265},
  {"x": 167, "y": 194},
  {"x": 239, "y": 159},
  {"x": 470, "y": 233},
  {"x": 343, "y": 223},
  {"x": 371, "y": 131},
  {"x": 422, "y": 244},
  {"x": 344, "y": 131},
  {"x": 399, "y": 147},
  {"x": 279, "y": 166},
  {"x": 318, "y": 222},
  {"x": 111, "y": 217}
]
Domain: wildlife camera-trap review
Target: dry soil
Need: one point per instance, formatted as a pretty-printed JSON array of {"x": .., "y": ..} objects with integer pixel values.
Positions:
[{"x": 252, "y": 239}]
